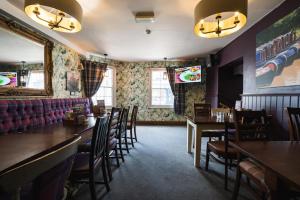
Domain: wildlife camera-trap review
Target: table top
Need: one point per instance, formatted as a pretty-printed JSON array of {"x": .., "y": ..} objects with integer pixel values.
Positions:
[
  {"x": 209, "y": 119},
  {"x": 282, "y": 157},
  {"x": 16, "y": 149}
]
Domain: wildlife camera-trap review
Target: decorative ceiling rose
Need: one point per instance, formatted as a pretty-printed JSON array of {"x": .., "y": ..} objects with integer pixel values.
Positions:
[
  {"x": 58, "y": 15},
  {"x": 219, "y": 18}
]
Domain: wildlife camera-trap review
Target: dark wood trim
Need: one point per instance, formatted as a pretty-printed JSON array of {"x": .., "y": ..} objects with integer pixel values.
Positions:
[
  {"x": 161, "y": 123},
  {"x": 15, "y": 26}
]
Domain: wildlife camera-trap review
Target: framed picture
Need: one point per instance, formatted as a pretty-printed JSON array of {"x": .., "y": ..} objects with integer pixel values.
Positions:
[
  {"x": 73, "y": 80},
  {"x": 278, "y": 53}
]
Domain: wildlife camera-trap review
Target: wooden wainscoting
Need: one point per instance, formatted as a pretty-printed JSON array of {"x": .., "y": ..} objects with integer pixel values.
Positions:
[{"x": 275, "y": 105}]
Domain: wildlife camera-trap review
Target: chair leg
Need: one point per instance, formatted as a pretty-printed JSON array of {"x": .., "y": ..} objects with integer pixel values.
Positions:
[
  {"x": 126, "y": 142},
  {"x": 117, "y": 156},
  {"x": 105, "y": 176},
  {"x": 92, "y": 186},
  {"x": 237, "y": 183},
  {"x": 120, "y": 147},
  {"x": 135, "y": 133},
  {"x": 131, "y": 138},
  {"x": 207, "y": 158},
  {"x": 226, "y": 173},
  {"x": 108, "y": 166}
]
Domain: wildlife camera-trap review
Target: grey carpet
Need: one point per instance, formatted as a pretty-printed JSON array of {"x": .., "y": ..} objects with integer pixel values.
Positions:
[{"x": 159, "y": 168}]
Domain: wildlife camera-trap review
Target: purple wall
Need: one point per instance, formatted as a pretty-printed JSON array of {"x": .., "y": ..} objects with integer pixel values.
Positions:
[{"x": 244, "y": 47}]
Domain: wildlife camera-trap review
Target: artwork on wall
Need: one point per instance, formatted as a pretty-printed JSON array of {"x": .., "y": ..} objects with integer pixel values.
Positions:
[
  {"x": 278, "y": 53},
  {"x": 73, "y": 80}
]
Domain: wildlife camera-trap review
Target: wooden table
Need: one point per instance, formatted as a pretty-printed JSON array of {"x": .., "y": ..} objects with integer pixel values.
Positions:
[
  {"x": 281, "y": 160},
  {"x": 17, "y": 149},
  {"x": 199, "y": 124}
]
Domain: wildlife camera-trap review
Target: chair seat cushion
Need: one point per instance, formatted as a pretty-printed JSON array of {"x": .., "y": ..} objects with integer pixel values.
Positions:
[
  {"x": 218, "y": 147},
  {"x": 254, "y": 171},
  {"x": 81, "y": 162}
]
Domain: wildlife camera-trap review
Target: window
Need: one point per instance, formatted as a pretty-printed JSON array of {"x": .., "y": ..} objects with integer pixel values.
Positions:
[
  {"x": 107, "y": 90},
  {"x": 161, "y": 93},
  {"x": 36, "y": 79}
]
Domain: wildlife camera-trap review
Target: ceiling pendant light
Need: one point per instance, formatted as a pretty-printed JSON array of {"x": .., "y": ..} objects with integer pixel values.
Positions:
[
  {"x": 58, "y": 15},
  {"x": 219, "y": 18}
]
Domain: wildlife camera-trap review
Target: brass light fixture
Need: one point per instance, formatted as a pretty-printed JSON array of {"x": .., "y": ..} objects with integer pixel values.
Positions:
[
  {"x": 58, "y": 15},
  {"x": 219, "y": 18}
]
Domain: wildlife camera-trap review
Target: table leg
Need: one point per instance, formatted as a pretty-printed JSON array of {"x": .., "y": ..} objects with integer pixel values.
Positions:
[
  {"x": 197, "y": 152},
  {"x": 189, "y": 137}
]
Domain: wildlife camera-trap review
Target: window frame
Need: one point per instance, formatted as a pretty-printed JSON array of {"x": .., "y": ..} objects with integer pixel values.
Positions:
[
  {"x": 114, "y": 88},
  {"x": 150, "y": 91}
]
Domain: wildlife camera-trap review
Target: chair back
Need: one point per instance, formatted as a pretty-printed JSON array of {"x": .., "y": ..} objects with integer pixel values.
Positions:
[
  {"x": 98, "y": 143},
  {"x": 294, "y": 123},
  {"x": 45, "y": 169},
  {"x": 113, "y": 123},
  {"x": 225, "y": 111},
  {"x": 251, "y": 125},
  {"x": 134, "y": 115},
  {"x": 123, "y": 122},
  {"x": 202, "y": 109}
]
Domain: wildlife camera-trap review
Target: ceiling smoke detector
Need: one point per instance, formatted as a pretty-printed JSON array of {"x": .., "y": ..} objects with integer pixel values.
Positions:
[
  {"x": 144, "y": 17},
  {"x": 148, "y": 31}
]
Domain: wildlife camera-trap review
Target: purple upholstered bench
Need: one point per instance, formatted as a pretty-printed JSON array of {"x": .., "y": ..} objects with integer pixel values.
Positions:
[
  {"x": 21, "y": 115},
  {"x": 55, "y": 109}
]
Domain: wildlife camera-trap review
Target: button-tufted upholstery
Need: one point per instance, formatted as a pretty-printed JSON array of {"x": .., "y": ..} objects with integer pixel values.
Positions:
[
  {"x": 21, "y": 115},
  {"x": 55, "y": 108}
]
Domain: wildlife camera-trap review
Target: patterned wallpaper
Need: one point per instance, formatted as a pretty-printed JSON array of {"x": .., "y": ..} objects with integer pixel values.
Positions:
[
  {"x": 133, "y": 85},
  {"x": 133, "y": 79},
  {"x": 64, "y": 59}
]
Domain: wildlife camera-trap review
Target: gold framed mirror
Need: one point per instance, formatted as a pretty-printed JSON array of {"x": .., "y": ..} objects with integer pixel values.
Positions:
[{"x": 26, "y": 66}]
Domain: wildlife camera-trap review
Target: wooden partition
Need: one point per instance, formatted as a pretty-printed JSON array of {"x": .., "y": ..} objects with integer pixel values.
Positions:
[{"x": 275, "y": 105}]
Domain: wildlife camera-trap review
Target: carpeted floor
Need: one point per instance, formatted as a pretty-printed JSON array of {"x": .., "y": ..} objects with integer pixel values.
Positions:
[{"x": 159, "y": 168}]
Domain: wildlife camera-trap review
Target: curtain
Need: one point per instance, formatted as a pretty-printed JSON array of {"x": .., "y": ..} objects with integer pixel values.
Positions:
[
  {"x": 178, "y": 92},
  {"x": 92, "y": 76}
]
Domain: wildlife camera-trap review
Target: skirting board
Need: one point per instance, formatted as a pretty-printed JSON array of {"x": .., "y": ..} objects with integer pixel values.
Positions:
[{"x": 163, "y": 123}]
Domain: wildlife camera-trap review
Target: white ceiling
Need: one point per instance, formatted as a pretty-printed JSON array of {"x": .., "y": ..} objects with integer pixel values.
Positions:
[
  {"x": 109, "y": 27},
  {"x": 15, "y": 48}
]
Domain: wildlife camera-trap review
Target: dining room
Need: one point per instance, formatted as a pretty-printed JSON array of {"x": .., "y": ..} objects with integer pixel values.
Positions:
[{"x": 141, "y": 99}]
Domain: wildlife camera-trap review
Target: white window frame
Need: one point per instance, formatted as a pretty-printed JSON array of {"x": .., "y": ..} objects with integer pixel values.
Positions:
[
  {"x": 150, "y": 91},
  {"x": 114, "y": 88}
]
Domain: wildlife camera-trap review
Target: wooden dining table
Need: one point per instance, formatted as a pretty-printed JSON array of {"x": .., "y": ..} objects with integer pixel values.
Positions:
[
  {"x": 17, "y": 149},
  {"x": 199, "y": 124},
  {"x": 281, "y": 161}
]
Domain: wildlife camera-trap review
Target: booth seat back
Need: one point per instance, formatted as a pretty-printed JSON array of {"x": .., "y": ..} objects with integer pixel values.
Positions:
[
  {"x": 55, "y": 109},
  {"x": 20, "y": 115}
]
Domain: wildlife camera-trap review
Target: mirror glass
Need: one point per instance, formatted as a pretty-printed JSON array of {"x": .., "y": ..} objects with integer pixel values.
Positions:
[{"x": 21, "y": 61}]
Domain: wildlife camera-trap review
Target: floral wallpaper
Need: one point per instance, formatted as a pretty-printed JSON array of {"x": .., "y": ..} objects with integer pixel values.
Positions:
[
  {"x": 133, "y": 85},
  {"x": 64, "y": 59}
]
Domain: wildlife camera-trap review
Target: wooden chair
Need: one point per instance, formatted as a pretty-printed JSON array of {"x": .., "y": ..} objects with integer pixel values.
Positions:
[
  {"x": 250, "y": 125},
  {"x": 45, "y": 171},
  {"x": 111, "y": 144},
  {"x": 131, "y": 125},
  {"x": 202, "y": 109},
  {"x": 91, "y": 157},
  {"x": 223, "y": 112},
  {"x": 294, "y": 123},
  {"x": 221, "y": 151},
  {"x": 122, "y": 132}
]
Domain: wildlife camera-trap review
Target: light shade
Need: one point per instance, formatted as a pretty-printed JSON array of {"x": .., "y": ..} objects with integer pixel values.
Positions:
[
  {"x": 218, "y": 18},
  {"x": 59, "y": 15}
]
